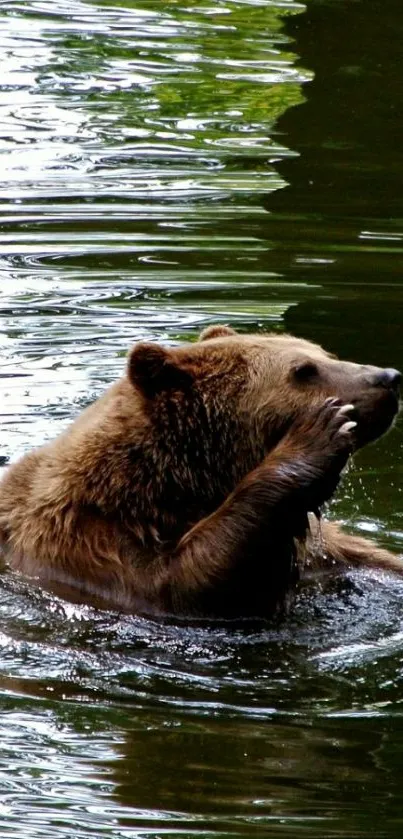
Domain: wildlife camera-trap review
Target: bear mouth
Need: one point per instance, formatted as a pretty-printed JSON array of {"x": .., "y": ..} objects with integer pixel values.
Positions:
[{"x": 375, "y": 415}]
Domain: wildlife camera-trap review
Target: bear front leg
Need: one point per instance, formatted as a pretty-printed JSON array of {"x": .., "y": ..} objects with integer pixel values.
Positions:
[{"x": 265, "y": 513}]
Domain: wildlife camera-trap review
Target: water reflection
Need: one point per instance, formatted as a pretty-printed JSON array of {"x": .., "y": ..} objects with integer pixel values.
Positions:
[
  {"x": 340, "y": 213},
  {"x": 139, "y": 726},
  {"x": 349, "y": 153}
]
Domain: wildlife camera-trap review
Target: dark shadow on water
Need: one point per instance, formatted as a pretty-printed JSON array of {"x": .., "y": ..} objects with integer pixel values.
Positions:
[
  {"x": 338, "y": 225},
  {"x": 348, "y": 132}
]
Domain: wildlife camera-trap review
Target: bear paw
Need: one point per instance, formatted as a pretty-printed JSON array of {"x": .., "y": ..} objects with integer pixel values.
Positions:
[{"x": 325, "y": 440}]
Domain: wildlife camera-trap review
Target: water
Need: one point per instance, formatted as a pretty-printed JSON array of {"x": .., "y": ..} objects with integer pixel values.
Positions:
[{"x": 145, "y": 155}]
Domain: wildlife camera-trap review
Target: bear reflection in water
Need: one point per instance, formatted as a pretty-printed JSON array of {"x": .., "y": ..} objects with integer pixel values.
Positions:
[{"x": 190, "y": 487}]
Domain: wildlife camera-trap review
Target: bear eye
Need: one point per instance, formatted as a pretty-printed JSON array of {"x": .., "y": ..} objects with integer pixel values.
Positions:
[{"x": 305, "y": 372}]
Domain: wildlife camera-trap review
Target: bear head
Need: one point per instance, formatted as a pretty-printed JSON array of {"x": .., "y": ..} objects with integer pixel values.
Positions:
[
  {"x": 215, "y": 408},
  {"x": 261, "y": 384}
]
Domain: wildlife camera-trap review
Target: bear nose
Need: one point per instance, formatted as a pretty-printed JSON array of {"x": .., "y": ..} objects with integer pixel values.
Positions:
[{"x": 389, "y": 377}]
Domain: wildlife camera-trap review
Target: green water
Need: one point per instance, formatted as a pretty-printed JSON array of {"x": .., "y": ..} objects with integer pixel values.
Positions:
[{"x": 145, "y": 152}]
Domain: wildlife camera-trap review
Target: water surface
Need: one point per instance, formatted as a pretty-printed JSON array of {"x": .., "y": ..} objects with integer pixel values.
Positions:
[{"x": 167, "y": 165}]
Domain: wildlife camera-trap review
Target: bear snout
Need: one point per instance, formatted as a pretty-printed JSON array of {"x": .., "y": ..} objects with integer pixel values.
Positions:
[
  {"x": 377, "y": 406},
  {"x": 389, "y": 378}
]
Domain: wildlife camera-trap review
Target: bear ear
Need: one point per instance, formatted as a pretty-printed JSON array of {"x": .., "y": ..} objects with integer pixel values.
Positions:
[
  {"x": 216, "y": 332},
  {"x": 153, "y": 369}
]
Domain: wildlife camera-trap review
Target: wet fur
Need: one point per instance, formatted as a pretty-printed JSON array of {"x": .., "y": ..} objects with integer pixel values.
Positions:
[{"x": 186, "y": 488}]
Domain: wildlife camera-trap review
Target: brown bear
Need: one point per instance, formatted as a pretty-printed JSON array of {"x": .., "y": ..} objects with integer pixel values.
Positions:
[{"x": 186, "y": 488}]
